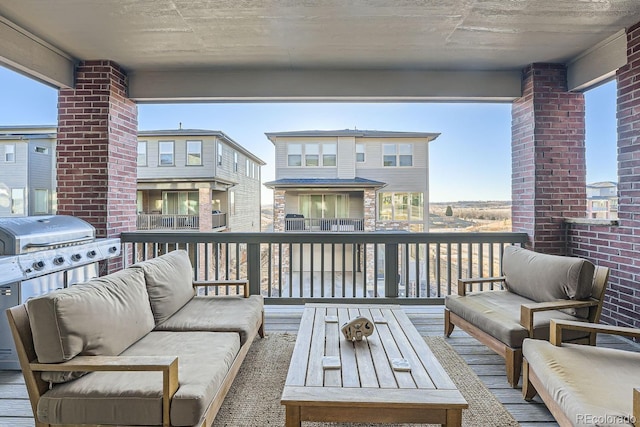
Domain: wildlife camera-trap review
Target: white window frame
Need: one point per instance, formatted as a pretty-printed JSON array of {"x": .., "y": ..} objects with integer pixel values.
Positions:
[
  {"x": 142, "y": 154},
  {"x": 360, "y": 149},
  {"x": 17, "y": 201},
  {"x": 192, "y": 142},
  {"x": 329, "y": 150},
  {"x": 294, "y": 150},
  {"x": 220, "y": 153},
  {"x": 161, "y": 153},
  {"x": 41, "y": 150},
  {"x": 235, "y": 161},
  {"x": 398, "y": 154},
  {"x": 10, "y": 153},
  {"x": 37, "y": 200},
  {"x": 395, "y": 195},
  {"x": 247, "y": 165}
]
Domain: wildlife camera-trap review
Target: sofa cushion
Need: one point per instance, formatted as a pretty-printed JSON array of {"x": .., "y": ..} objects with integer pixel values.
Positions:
[
  {"x": 218, "y": 314},
  {"x": 543, "y": 277},
  {"x": 101, "y": 317},
  {"x": 135, "y": 398},
  {"x": 498, "y": 314},
  {"x": 587, "y": 381},
  {"x": 169, "y": 280}
]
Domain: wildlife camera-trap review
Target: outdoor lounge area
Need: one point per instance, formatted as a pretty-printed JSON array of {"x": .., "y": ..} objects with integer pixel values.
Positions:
[{"x": 104, "y": 59}]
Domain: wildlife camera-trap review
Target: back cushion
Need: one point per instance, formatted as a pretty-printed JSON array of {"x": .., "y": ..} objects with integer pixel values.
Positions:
[
  {"x": 542, "y": 277},
  {"x": 169, "y": 281},
  {"x": 101, "y": 317}
]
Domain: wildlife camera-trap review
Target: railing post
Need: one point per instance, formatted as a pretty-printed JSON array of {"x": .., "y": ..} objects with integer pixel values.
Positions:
[
  {"x": 253, "y": 268},
  {"x": 391, "y": 270}
]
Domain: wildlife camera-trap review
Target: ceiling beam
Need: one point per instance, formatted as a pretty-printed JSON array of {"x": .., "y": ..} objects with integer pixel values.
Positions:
[
  {"x": 598, "y": 64},
  {"x": 32, "y": 56},
  {"x": 324, "y": 85}
]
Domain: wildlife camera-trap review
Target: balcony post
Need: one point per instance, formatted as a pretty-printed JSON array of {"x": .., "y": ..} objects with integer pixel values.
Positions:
[
  {"x": 391, "y": 270},
  {"x": 253, "y": 268}
]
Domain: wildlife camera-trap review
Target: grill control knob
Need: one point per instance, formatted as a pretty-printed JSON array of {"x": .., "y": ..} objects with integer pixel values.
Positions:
[
  {"x": 76, "y": 257},
  {"x": 91, "y": 254},
  {"x": 58, "y": 260},
  {"x": 38, "y": 265}
]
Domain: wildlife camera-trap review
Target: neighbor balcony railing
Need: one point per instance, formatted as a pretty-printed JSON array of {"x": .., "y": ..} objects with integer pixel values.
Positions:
[
  {"x": 324, "y": 224},
  {"x": 293, "y": 268},
  {"x": 177, "y": 222}
]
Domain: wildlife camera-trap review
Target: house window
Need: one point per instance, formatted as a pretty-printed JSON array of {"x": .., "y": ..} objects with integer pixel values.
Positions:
[
  {"x": 324, "y": 205},
  {"x": 17, "y": 201},
  {"x": 248, "y": 168},
  {"x": 360, "y": 153},
  {"x": 166, "y": 153},
  {"x": 180, "y": 203},
  {"x": 219, "y": 153},
  {"x": 328, "y": 154},
  {"x": 294, "y": 155},
  {"x": 232, "y": 202},
  {"x": 142, "y": 153},
  {"x": 235, "y": 162},
  {"x": 41, "y": 201},
  {"x": 401, "y": 206},
  {"x": 397, "y": 155},
  {"x": 41, "y": 150},
  {"x": 10, "y": 153},
  {"x": 312, "y": 155},
  {"x": 194, "y": 153}
]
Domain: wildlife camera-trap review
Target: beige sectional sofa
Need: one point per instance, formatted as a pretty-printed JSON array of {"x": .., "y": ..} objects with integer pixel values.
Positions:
[
  {"x": 533, "y": 289},
  {"x": 584, "y": 385},
  {"x": 136, "y": 347}
]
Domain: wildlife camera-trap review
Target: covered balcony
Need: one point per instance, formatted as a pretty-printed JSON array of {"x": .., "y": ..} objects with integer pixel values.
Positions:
[{"x": 538, "y": 56}]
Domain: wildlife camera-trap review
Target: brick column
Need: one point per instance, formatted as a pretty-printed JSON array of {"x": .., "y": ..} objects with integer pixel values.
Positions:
[
  {"x": 548, "y": 157},
  {"x": 278, "y": 210},
  {"x": 97, "y": 151}
]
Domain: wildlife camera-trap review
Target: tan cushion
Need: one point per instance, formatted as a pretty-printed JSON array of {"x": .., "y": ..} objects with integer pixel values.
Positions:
[
  {"x": 588, "y": 383},
  {"x": 498, "y": 314},
  {"x": 101, "y": 317},
  {"x": 169, "y": 280},
  {"x": 134, "y": 398},
  {"x": 542, "y": 277},
  {"x": 218, "y": 314}
]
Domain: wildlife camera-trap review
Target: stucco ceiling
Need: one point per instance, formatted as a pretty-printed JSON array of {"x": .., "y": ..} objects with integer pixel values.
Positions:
[{"x": 162, "y": 35}]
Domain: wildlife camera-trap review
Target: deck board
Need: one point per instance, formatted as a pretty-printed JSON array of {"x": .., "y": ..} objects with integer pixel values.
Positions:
[{"x": 15, "y": 410}]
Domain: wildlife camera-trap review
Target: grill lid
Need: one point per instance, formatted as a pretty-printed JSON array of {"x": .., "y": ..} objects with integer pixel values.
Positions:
[{"x": 33, "y": 233}]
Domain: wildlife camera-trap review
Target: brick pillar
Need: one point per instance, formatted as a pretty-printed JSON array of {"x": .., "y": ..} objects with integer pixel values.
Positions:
[
  {"x": 548, "y": 157},
  {"x": 278, "y": 210},
  {"x": 97, "y": 151}
]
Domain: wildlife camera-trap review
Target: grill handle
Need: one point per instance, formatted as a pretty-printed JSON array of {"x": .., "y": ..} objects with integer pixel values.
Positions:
[{"x": 65, "y": 242}]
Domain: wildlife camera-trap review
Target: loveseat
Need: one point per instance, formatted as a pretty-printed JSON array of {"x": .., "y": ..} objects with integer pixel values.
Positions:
[
  {"x": 533, "y": 289},
  {"x": 584, "y": 385},
  {"x": 136, "y": 347}
]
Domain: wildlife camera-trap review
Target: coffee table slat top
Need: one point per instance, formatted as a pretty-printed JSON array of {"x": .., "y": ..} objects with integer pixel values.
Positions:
[{"x": 365, "y": 377}]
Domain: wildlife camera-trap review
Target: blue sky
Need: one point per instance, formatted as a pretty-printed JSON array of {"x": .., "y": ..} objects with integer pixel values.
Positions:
[{"x": 471, "y": 160}]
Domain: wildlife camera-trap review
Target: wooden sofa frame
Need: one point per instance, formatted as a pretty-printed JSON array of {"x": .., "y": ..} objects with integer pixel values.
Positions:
[
  {"x": 168, "y": 365},
  {"x": 513, "y": 356},
  {"x": 531, "y": 384}
]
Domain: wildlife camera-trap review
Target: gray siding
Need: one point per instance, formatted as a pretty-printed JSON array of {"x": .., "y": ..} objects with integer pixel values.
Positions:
[
  {"x": 12, "y": 175},
  {"x": 180, "y": 169},
  {"x": 41, "y": 172},
  {"x": 346, "y": 158}
]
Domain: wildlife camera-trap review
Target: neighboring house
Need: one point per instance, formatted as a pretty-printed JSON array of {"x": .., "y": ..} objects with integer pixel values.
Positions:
[
  {"x": 27, "y": 170},
  {"x": 351, "y": 180},
  {"x": 196, "y": 179},
  {"x": 602, "y": 200}
]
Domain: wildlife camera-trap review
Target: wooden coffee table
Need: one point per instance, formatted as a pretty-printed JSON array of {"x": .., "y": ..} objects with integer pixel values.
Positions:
[{"x": 358, "y": 382}]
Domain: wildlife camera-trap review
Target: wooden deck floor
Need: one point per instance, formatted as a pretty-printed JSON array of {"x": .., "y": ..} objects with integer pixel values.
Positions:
[{"x": 15, "y": 410}]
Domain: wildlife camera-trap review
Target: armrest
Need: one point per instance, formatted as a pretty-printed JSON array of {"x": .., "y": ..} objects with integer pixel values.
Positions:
[
  {"x": 462, "y": 283},
  {"x": 556, "y": 327},
  {"x": 168, "y": 365},
  {"x": 636, "y": 407},
  {"x": 527, "y": 310},
  {"x": 206, "y": 283}
]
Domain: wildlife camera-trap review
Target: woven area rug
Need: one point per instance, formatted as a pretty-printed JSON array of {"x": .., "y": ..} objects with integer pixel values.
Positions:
[{"x": 254, "y": 398}]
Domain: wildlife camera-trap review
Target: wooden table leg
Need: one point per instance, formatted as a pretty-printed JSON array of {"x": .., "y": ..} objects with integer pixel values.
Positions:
[
  {"x": 293, "y": 416},
  {"x": 454, "y": 418}
]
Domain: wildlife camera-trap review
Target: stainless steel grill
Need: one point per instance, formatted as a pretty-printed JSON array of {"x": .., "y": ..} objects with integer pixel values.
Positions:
[{"x": 40, "y": 254}]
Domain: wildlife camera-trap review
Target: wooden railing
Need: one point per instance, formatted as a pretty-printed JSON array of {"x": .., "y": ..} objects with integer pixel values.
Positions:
[{"x": 293, "y": 268}]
